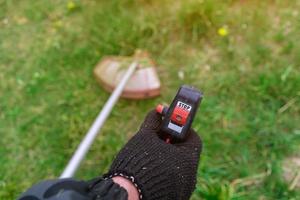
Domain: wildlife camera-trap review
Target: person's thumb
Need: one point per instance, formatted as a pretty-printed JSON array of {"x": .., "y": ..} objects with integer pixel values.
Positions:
[{"x": 192, "y": 143}]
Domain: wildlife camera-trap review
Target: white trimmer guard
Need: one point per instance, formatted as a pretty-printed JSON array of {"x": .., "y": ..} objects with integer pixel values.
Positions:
[{"x": 144, "y": 83}]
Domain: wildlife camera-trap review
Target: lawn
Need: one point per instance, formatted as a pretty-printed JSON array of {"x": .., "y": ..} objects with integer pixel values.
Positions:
[{"x": 244, "y": 55}]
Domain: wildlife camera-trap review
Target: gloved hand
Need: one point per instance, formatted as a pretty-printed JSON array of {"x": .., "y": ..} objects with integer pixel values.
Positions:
[{"x": 158, "y": 170}]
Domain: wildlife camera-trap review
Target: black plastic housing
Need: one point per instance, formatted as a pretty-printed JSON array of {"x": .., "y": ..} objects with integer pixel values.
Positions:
[{"x": 190, "y": 96}]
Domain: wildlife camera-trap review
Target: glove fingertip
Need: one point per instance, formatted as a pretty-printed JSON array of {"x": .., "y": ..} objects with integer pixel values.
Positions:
[{"x": 152, "y": 121}]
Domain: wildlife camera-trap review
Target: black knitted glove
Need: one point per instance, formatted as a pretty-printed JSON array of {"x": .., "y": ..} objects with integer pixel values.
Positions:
[{"x": 159, "y": 170}]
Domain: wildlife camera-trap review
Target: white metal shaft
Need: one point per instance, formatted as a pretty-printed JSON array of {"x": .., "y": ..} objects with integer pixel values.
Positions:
[{"x": 86, "y": 143}]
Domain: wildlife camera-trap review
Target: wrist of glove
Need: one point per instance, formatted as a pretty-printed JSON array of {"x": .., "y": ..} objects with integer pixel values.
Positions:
[
  {"x": 71, "y": 189},
  {"x": 157, "y": 169}
]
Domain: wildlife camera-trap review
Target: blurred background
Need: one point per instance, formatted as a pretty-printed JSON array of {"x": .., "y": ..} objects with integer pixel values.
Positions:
[{"x": 244, "y": 55}]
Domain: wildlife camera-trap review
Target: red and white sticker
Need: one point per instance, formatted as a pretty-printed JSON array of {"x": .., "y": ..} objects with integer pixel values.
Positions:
[
  {"x": 179, "y": 116},
  {"x": 184, "y": 106}
]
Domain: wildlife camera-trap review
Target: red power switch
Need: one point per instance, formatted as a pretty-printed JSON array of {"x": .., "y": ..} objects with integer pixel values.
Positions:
[{"x": 179, "y": 115}]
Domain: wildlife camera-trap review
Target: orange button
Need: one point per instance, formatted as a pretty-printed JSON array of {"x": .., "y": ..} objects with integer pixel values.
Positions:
[{"x": 180, "y": 115}]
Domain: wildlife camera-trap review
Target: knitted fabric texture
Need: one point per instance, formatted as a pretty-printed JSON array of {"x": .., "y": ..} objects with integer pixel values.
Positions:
[{"x": 160, "y": 170}]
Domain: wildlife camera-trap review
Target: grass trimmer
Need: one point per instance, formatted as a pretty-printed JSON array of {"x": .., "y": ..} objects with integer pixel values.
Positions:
[{"x": 138, "y": 81}]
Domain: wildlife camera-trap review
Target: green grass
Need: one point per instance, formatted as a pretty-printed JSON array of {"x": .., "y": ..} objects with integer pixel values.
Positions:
[{"x": 249, "y": 118}]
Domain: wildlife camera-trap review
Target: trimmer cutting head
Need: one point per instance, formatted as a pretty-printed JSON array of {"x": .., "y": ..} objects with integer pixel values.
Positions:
[{"x": 144, "y": 83}]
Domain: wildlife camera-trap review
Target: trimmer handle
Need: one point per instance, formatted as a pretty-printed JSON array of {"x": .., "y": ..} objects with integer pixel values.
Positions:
[{"x": 179, "y": 116}]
